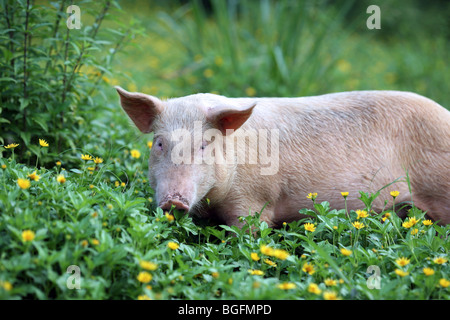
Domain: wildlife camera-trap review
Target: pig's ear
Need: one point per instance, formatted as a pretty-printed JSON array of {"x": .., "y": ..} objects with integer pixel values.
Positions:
[
  {"x": 141, "y": 108},
  {"x": 225, "y": 117}
]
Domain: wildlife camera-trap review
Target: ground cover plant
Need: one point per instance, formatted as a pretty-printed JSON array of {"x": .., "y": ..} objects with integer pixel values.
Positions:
[
  {"x": 77, "y": 217},
  {"x": 125, "y": 248}
]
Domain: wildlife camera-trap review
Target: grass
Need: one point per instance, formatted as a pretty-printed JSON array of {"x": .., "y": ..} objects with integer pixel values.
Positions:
[{"x": 102, "y": 219}]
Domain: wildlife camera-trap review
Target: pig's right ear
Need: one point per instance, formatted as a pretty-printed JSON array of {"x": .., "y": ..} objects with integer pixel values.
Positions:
[
  {"x": 141, "y": 108},
  {"x": 225, "y": 117}
]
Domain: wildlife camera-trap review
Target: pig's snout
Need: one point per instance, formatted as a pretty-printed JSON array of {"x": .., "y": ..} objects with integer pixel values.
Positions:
[{"x": 176, "y": 200}]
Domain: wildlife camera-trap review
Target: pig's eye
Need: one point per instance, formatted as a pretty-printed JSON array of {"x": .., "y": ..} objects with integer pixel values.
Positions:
[
  {"x": 159, "y": 145},
  {"x": 204, "y": 144}
]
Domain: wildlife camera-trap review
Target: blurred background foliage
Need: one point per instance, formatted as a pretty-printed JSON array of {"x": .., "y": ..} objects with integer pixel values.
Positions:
[{"x": 57, "y": 83}]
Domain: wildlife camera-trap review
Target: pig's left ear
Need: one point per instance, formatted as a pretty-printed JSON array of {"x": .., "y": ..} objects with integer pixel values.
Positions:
[
  {"x": 141, "y": 108},
  {"x": 225, "y": 117}
]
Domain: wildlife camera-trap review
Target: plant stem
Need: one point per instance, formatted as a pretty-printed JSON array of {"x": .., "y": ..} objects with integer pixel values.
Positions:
[
  {"x": 9, "y": 24},
  {"x": 79, "y": 63},
  {"x": 55, "y": 32},
  {"x": 25, "y": 47}
]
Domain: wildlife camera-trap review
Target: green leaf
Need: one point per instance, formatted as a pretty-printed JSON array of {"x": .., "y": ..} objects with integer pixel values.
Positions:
[
  {"x": 42, "y": 122},
  {"x": 23, "y": 103}
]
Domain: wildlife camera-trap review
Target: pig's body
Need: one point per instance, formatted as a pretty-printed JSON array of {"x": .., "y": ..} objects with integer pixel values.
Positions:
[{"x": 350, "y": 141}]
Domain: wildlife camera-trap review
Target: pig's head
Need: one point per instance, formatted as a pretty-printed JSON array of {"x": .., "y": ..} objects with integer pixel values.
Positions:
[{"x": 175, "y": 124}]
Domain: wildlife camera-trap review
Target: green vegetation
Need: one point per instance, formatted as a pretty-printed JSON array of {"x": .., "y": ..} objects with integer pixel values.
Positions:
[{"x": 58, "y": 210}]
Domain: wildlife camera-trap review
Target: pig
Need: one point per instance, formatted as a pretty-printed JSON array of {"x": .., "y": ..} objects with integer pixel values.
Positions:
[{"x": 346, "y": 141}]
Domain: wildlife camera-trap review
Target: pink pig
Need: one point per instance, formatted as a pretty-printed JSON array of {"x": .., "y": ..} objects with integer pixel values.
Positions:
[{"x": 246, "y": 153}]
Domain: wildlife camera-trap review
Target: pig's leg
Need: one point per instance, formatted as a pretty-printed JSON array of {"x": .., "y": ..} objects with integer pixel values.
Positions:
[{"x": 431, "y": 187}]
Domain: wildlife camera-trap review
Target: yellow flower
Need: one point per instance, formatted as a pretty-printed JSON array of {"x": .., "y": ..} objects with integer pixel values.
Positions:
[
  {"x": 135, "y": 153},
  {"x": 254, "y": 256},
  {"x": 308, "y": 268},
  {"x": 287, "y": 286},
  {"x": 3, "y": 166},
  {"x": 268, "y": 251},
  {"x": 150, "y": 144},
  {"x": 98, "y": 160},
  {"x": 95, "y": 242},
  {"x": 169, "y": 217},
  {"x": 427, "y": 222},
  {"x": 414, "y": 231},
  {"x": 132, "y": 87},
  {"x": 34, "y": 176},
  {"x": 256, "y": 272},
  {"x": 43, "y": 143},
  {"x": 395, "y": 194},
  {"x": 407, "y": 224},
  {"x": 440, "y": 260},
  {"x": 402, "y": 261},
  {"x": 58, "y": 163},
  {"x": 84, "y": 243},
  {"x": 144, "y": 297},
  {"x": 428, "y": 271},
  {"x": 410, "y": 223},
  {"x": 61, "y": 179},
  {"x": 330, "y": 282},
  {"x": 250, "y": 91},
  {"x": 11, "y": 146},
  {"x": 218, "y": 61},
  {"x": 312, "y": 196},
  {"x": 6, "y": 285},
  {"x": 147, "y": 265},
  {"x": 358, "y": 225},
  {"x": 362, "y": 213},
  {"x": 270, "y": 263},
  {"x": 208, "y": 73},
  {"x": 215, "y": 275},
  {"x": 401, "y": 273},
  {"x": 330, "y": 295},
  {"x": 27, "y": 235},
  {"x": 314, "y": 288},
  {"x": 173, "y": 245},
  {"x": 346, "y": 252},
  {"x": 23, "y": 183},
  {"x": 444, "y": 283},
  {"x": 144, "y": 277},
  {"x": 86, "y": 157},
  {"x": 280, "y": 254},
  {"x": 387, "y": 215},
  {"x": 344, "y": 194},
  {"x": 310, "y": 227},
  {"x": 343, "y": 65}
]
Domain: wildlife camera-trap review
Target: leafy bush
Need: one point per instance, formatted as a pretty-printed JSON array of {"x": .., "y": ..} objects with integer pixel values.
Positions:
[
  {"x": 49, "y": 72},
  {"x": 125, "y": 248}
]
